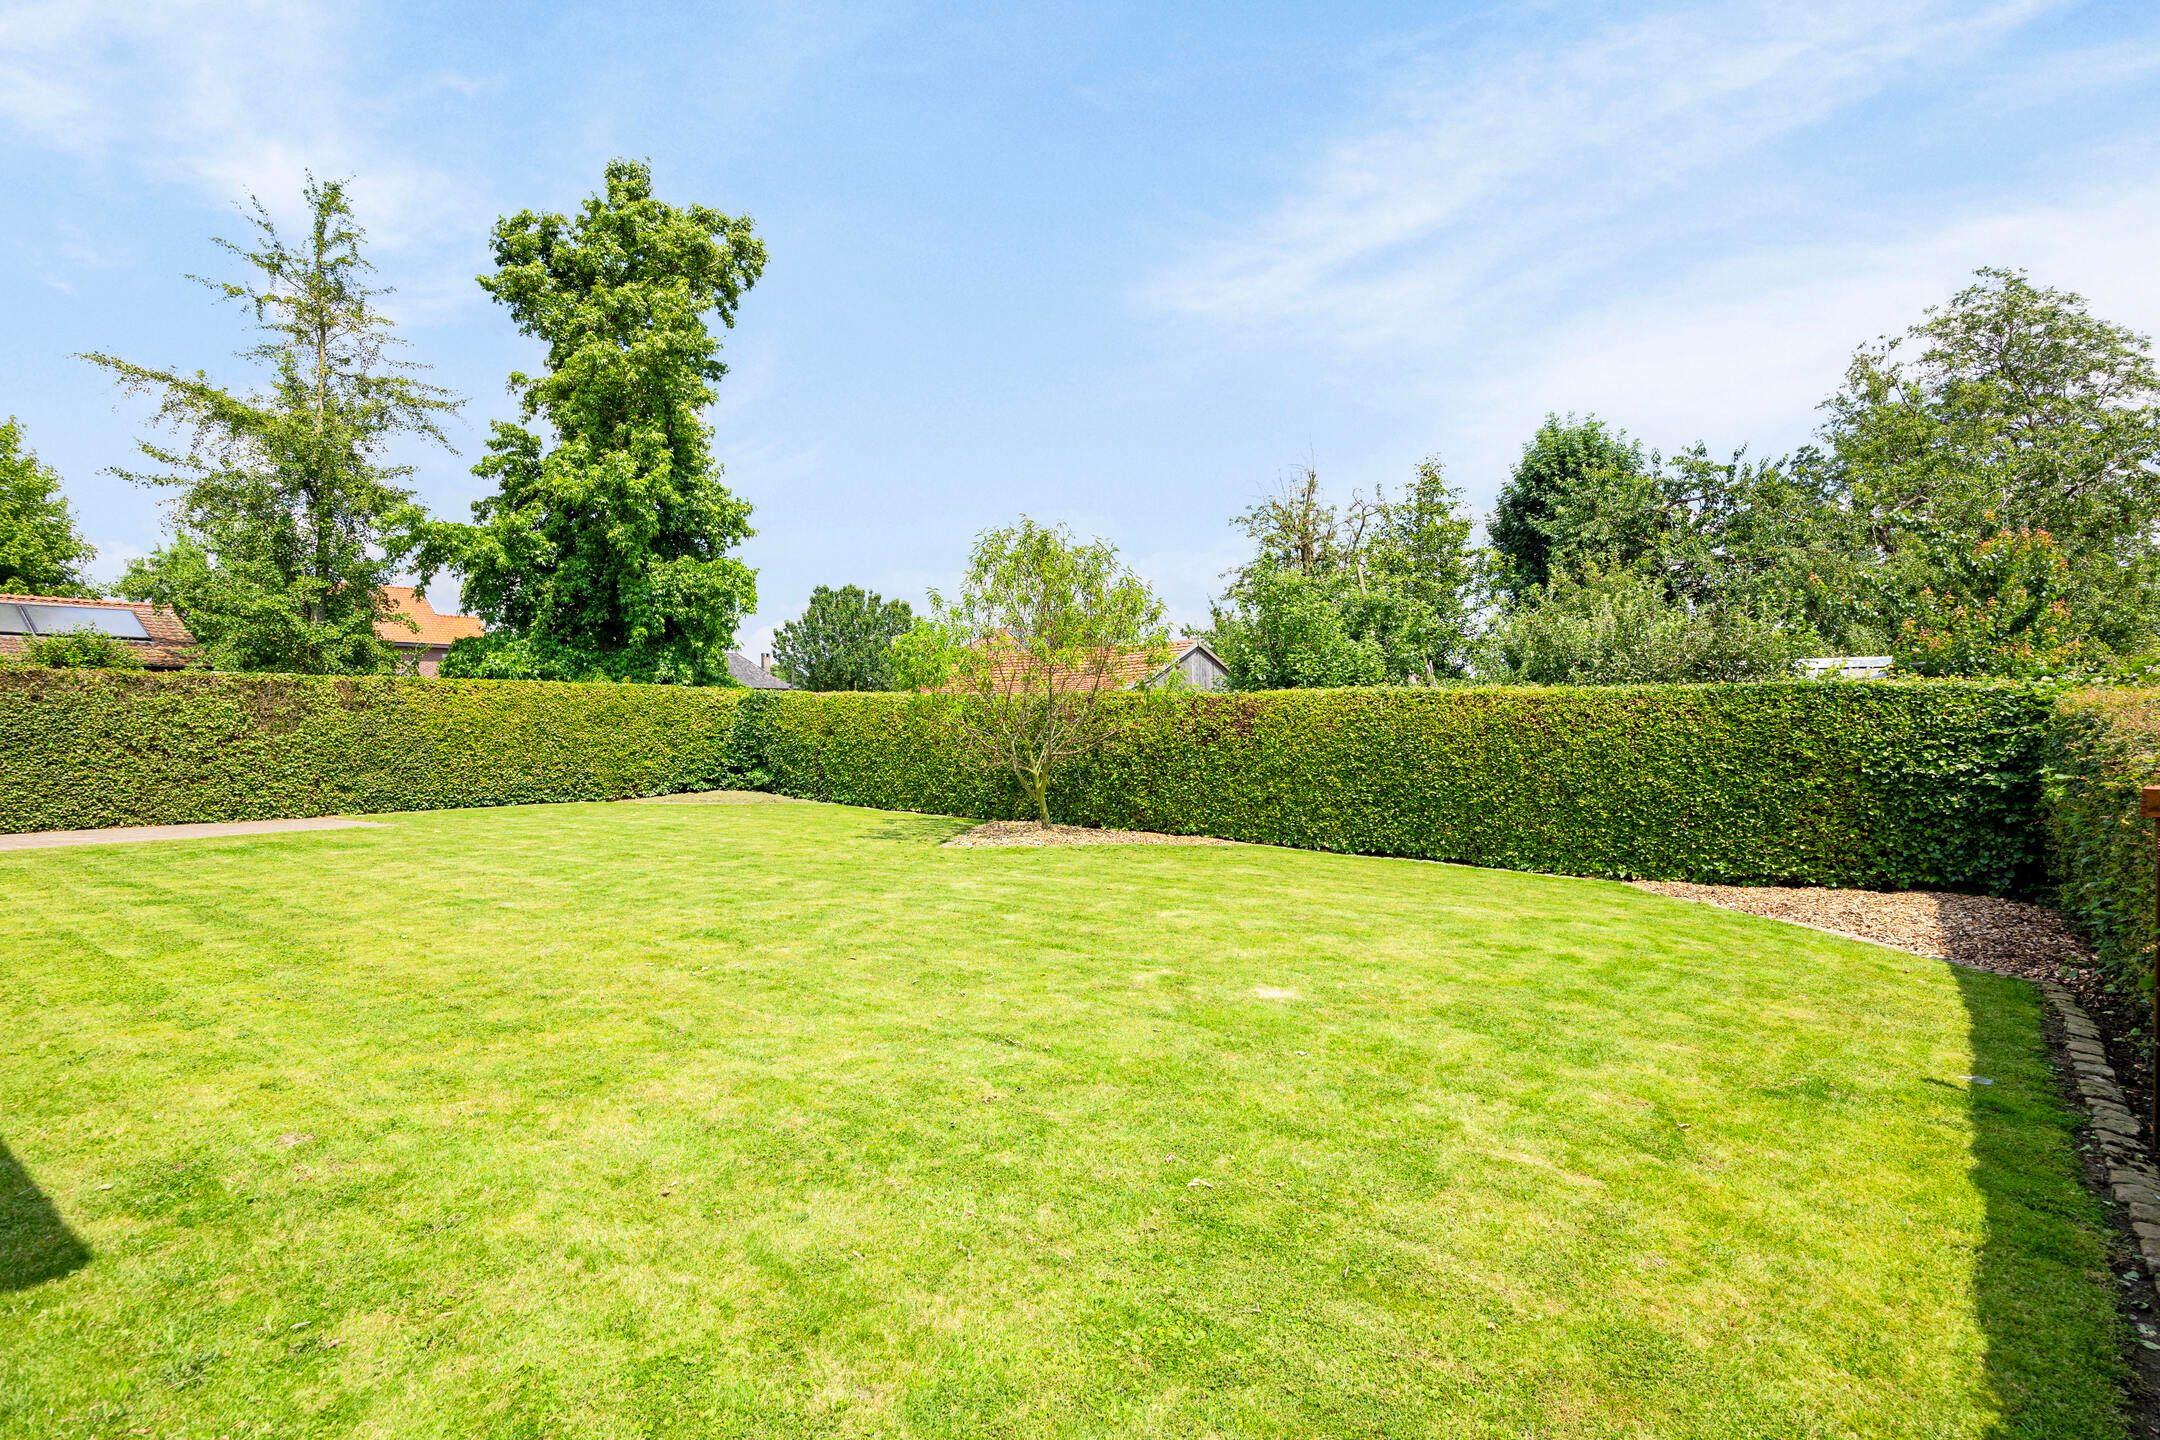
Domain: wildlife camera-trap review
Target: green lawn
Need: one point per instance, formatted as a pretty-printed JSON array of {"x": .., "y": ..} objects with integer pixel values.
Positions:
[{"x": 669, "y": 1120}]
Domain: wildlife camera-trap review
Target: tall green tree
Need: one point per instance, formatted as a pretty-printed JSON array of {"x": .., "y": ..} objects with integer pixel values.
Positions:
[
  {"x": 843, "y": 640},
  {"x": 604, "y": 550},
  {"x": 287, "y": 515},
  {"x": 1565, "y": 458},
  {"x": 41, "y": 551},
  {"x": 1042, "y": 630},
  {"x": 1381, "y": 591},
  {"x": 2011, "y": 410}
]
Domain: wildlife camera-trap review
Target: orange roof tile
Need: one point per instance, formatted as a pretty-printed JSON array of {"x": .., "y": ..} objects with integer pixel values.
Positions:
[
  {"x": 1121, "y": 671},
  {"x": 434, "y": 628}
]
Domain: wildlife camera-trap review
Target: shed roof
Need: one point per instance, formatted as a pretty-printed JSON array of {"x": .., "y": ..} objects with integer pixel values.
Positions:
[
  {"x": 748, "y": 672},
  {"x": 1123, "y": 669}
]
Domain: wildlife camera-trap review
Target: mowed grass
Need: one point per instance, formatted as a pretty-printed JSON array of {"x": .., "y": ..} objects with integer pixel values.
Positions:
[{"x": 671, "y": 1120}]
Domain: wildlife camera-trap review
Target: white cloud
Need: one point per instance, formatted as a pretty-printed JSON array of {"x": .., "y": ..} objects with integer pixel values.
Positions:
[
  {"x": 1484, "y": 180},
  {"x": 1570, "y": 228},
  {"x": 231, "y": 99},
  {"x": 1745, "y": 349}
]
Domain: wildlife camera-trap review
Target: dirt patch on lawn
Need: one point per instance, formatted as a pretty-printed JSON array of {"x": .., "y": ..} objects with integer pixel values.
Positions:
[
  {"x": 717, "y": 797},
  {"x": 1027, "y": 833}
]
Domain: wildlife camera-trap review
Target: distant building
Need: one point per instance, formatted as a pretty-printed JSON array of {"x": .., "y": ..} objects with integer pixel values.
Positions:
[
  {"x": 1189, "y": 662},
  {"x": 756, "y": 675},
  {"x": 1846, "y": 667},
  {"x": 422, "y": 644},
  {"x": 151, "y": 631}
]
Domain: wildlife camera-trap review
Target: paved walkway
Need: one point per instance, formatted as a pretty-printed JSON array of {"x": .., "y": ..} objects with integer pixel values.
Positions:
[{"x": 124, "y": 834}]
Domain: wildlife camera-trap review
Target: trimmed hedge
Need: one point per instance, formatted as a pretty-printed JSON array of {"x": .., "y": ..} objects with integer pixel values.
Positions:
[
  {"x": 81, "y": 748},
  {"x": 2103, "y": 746},
  {"x": 1882, "y": 784},
  {"x": 1885, "y": 785}
]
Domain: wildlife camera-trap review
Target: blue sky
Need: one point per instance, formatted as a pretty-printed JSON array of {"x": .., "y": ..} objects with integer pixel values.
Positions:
[{"x": 1117, "y": 265}]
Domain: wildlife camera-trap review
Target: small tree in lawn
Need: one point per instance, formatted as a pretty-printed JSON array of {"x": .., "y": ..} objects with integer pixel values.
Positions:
[{"x": 1042, "y": 630}]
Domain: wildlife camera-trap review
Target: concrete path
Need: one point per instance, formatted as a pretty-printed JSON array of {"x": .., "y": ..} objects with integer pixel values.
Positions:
[{"x": 124, "y": 834}]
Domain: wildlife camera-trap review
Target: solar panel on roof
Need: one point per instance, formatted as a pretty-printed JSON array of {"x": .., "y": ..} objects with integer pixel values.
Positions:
[
  {"x": 60, "y": 619},
  {"x": 13, "y": 621}
]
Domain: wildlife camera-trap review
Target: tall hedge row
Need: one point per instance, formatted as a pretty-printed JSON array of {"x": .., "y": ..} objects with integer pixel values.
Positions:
[
  {"x": 2103, "y": 747},
  {"x": 84, "y": 748},
  {"x": 1887, "y": 785}
]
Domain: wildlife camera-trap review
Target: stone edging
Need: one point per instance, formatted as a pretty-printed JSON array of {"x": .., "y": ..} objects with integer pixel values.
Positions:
[{"x": 2130, "y": 1174}]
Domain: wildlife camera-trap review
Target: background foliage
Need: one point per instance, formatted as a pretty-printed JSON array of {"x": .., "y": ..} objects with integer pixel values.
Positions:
[
  {"x": 843, "y": 640},
  {"x": 41, "y": 550},
  {"x": 80, "y": 650},
  {"x": 288, "y": 514},
  {"x": 1379, "y": 591}
]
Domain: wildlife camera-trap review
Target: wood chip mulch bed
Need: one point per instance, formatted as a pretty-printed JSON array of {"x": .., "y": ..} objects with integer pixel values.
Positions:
[
  {"x": 2007, "y": 936},
  {"x": 997, "y": 833}
]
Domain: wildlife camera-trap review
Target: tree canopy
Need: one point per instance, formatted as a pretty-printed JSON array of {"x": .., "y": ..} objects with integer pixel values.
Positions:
[
  {"x": 843, "y": 640},
  {"x": 287, "y": 515},
  {"x": 604, "y": 550},
  {"x": 2009, "y": 422},
  {"x": 1565, "y": 459},
  {"x": 41, "y": 551},
  {"x": 1381, "y": 591}
]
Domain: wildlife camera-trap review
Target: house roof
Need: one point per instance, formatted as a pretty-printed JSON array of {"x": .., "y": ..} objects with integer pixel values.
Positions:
[
  {"x": 748, "y": 672},
  {"x": 169, "y": 647},
  {"x": 434, "y": 629},
  {"x": 1125, "y": 668}
]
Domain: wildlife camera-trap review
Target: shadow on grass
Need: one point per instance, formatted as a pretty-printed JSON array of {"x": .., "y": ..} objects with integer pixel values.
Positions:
[
  {"x": 2042, "y": 1289},
  {"x": 35, "y": 1243}
]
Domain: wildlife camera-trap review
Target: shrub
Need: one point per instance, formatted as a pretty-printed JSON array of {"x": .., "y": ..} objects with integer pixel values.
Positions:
[
  {"x": 2102, "y": 747},
  {"x": 81, "y": 650},
  {"x": 1623, "y": 628},
  {"x": 81, "y": 748},
  {"x": 1885, "y": 784}
]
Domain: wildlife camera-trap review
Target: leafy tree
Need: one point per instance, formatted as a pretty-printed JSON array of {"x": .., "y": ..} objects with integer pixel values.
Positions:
[
  {"x": 2012, "y": 402},
  {"x": 2000, "y": 607},
  {"x": 1380, "y": 592},
  {"x": 1042, "y": 628},
  {"x": 1565, "y": 458},
  {"x": 842, "y": 641},
  {"x": 81, "y": 650},
  {"x": 604, "y": 550},
  {"x": 287, "y": 517},
  {"x": 1626, "y": 627},
  {"x": 41, "y": 552},
  {"x": 1284, "y": 628},
  {"x": 2011, "y": 410}
]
